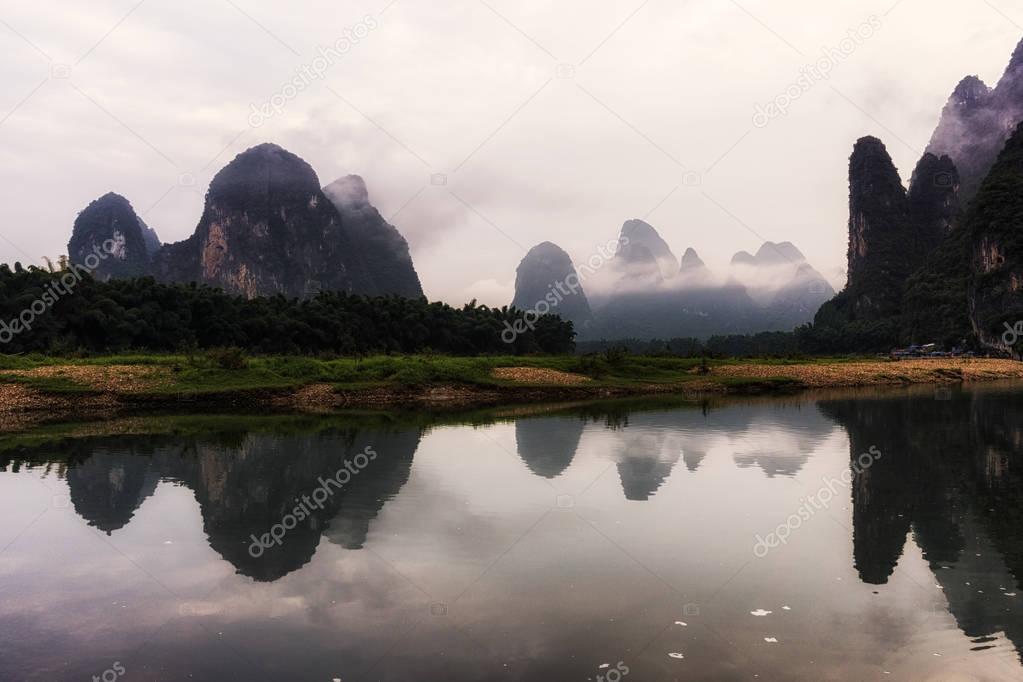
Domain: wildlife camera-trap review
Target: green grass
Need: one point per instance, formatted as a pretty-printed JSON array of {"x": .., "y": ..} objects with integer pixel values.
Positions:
[{"x": 202, "y": 375}]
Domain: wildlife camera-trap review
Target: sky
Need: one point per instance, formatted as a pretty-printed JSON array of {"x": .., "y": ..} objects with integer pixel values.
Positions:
[{"x": 484, "y": 127}]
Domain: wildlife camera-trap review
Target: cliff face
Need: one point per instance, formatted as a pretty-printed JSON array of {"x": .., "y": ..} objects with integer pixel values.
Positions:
[
  {"x": 378, "y": 244},
  {"x": 267, "y": 229},
  {"x": 995, "y": 232},
  {"x": 907, "y": 267},
  {"x": 538, "y": 277},
  {"x": 109, "y": 228},
  {"x": 879, "y": 231}
]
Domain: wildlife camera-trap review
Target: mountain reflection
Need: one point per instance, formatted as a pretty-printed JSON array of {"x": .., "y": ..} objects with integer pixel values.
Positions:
[
  {"x": 950, "y": 479},
  {"x": 244, "y": 484},
  {"x": 548, "y": 445},
  {"x": 950, "y": 473}
]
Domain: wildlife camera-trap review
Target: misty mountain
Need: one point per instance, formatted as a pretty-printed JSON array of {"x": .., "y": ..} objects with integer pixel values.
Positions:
[
  {"x": 692, "y": 264},
  {"x": 547, "y": 274},
  {"x": 378, "y": 243},
  {"x": 645, "y": 293},
  {"x": 643, "y": 253},
  {"x": 977, "y": 121}
]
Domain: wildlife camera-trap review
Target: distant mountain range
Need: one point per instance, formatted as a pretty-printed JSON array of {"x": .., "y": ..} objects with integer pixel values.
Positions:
[
  {"x": 645, "y": 291},
  {"x": 942, "y": 261},
  {"x": 267, "y": 228}
]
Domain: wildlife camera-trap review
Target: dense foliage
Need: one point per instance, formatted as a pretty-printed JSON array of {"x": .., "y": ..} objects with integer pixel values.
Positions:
[{"x": 141, "y": 314}]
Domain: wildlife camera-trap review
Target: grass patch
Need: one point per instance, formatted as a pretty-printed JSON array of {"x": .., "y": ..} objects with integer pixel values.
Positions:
[{"x": 229, "y": 370}]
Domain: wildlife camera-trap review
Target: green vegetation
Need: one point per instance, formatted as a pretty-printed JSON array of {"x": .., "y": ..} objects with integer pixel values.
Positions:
[
  {"x": 206, "y": 374},
  {"x": 56, "y": 313}
]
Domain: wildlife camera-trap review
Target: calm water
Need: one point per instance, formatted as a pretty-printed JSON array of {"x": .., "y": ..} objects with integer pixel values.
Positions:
[{"x": 731, "y": 541}]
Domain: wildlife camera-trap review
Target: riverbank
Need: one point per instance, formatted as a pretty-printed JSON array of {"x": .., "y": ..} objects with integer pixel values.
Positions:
[{"x": 36, "y": 390}]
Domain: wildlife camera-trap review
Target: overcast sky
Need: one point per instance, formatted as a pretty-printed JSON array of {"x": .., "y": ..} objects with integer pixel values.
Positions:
[{"x": 547, "y": 120}]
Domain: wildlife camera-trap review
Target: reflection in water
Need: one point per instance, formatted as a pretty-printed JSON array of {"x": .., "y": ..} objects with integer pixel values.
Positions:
[
  {"x": 945, "y": 497},
  {"x": 951, "y": 473},
  {"x": 244, "y": 484},
  {"x": 547, "y": 446}
]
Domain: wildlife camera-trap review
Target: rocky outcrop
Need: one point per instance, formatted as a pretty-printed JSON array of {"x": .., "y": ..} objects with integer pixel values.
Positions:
[
  {"x": 377, "y": 243},
  {"x": 547, "y": 275},
  {"x": 267, "y": 229},
  {"x": 879, "y": 231},
  {"x": 110, "y": 230}
]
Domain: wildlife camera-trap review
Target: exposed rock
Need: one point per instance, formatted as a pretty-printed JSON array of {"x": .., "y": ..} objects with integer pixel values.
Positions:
[
  {"x": 267, "y": 229},
  {"x": 378, "y": 243},
  {"x": 110, "y": 229}
]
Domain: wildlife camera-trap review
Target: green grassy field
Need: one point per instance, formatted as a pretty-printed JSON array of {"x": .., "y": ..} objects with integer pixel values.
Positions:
[{"x": 217, "y": 372}]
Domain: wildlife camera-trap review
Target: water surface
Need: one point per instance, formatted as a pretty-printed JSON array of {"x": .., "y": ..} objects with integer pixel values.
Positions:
[{"x": 729, "y": 541}]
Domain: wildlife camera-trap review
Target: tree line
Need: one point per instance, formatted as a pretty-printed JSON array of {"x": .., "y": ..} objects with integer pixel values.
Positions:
[{"x": 62, "y": 312}]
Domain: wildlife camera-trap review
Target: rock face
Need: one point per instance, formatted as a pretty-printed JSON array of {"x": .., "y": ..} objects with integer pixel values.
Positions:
[
  {"x": 879, "y": 231},
  {"x": 977, "y": 121},
  {"x": 547, "y": 274},
  {"x": 109, "y": 227},
  {"x": 995, "y": 232},
  {"x": 267, "y": 229},
  {"x": 378, "y": 243}
]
